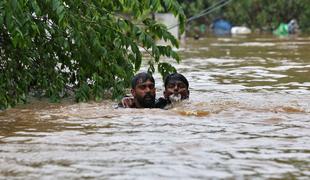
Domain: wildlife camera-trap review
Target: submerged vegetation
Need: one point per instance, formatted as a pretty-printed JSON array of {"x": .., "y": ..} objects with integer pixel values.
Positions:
[{"x": 90, "y": 47}]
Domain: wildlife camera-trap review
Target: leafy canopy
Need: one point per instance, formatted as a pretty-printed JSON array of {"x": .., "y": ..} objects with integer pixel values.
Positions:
[{"x": 87, "y": 46}]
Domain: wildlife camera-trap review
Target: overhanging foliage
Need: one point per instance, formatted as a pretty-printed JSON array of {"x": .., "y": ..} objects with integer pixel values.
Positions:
[{"x": 88, "y": 46}]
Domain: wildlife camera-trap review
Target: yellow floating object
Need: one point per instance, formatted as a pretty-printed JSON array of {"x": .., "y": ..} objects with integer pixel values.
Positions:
[{"x": 198, "y": 113}]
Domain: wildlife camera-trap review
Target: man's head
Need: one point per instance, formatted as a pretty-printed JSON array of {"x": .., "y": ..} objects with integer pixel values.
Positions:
[
  {"x": 143, "y": 90},
  {"x": 176, "y": 87}
]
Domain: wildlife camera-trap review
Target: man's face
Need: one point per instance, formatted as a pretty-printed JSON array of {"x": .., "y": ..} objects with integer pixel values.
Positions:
[
  {"x": 144, "y": 93},
  {"x": 176, "y": 88}
]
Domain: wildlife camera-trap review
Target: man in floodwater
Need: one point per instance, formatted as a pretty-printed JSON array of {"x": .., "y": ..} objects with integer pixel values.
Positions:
[
  {"x": 176, "y": 89},
  {"x": 143, "y": 91}
]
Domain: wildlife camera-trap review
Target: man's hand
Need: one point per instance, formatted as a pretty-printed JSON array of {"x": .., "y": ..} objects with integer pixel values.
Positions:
[{"x": 127, "y": 102}]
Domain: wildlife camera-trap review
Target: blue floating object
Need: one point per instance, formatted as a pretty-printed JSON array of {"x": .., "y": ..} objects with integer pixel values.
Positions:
[{"x": 221, "y": 27}]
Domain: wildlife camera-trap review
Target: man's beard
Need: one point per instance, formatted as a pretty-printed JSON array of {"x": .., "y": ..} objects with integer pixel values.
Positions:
[
  {"x": 148, "y": 101},
  {"x": 175, "y": 98}
]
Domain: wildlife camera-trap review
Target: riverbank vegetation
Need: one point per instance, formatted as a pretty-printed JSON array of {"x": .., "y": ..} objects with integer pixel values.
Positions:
[
  {"x": 260, "y": 15},
  {"x": 87, "y": 47}
]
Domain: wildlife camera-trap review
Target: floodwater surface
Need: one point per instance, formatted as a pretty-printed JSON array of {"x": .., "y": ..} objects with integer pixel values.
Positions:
[{"x": 248, "y": 117}]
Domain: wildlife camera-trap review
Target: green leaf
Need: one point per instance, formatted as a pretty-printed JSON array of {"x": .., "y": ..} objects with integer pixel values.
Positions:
[
  {"x": 55, "y": 4},
  {"x": 14, "y": 4},
  {"x": 165, "y": 69},
  {"x": 36, "y": 8},
  {"x": 35, "y": 28}
]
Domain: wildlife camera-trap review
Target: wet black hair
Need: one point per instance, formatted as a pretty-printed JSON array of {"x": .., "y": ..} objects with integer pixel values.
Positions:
[
  {"x": 176, "y": 76},
  {"x": 143, "y": 76}
]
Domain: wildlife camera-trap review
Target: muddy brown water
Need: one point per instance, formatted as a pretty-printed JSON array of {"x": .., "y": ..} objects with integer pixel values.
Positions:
[{"x": 247, "y": 118}]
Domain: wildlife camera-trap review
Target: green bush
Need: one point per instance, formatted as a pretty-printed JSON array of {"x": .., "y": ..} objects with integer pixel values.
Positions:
[{"x": 87, "y": 46}]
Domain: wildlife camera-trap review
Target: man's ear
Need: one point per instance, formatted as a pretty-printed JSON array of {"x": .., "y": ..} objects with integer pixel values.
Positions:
[{"x": 165, "y": 93}]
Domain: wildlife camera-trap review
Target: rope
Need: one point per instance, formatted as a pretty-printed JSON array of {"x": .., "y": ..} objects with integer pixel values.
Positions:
[{"x": 206, "y": 11}]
